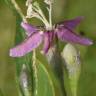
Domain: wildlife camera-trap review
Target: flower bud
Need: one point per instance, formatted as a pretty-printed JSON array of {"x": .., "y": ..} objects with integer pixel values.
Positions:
[
  {"x": 55, "y": 60},
  {"x": 25, "y": 81},
  {"x": 71, "y": 57}
]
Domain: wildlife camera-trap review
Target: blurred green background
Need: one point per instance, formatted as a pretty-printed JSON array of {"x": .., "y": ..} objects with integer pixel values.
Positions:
[{"x": 63, "y": 9}]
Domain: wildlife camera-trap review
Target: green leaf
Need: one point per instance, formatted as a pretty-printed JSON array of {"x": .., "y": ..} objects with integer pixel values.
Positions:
[
  {"x": 45, "y": 86},
  {"x": 1, "y": 93},
  {"x": 48, "y": 85}
]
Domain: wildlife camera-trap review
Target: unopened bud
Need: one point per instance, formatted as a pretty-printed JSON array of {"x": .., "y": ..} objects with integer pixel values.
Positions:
[
  {"x": 25, "y": 81},
  {"x": 71, "y": 57},
  {"x": 24, "y": 77},
  {"x": 55, "y": 60}
]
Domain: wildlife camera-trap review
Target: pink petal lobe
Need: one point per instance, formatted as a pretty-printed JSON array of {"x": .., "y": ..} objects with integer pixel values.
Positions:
[
  {"x": 48, "y": 38},
  {"x": 46, "y": 42},
  {"x": 27, "y": 46},
  {"x": 68, "y": 35},
  {"x": 73, "y": 23},
  {"x": 29, "y": 28}
]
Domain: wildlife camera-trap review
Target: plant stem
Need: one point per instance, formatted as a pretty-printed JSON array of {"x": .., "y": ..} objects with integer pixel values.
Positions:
[
  {"x": 35, "y": 72},
  {"x": 18, "y": 10}
]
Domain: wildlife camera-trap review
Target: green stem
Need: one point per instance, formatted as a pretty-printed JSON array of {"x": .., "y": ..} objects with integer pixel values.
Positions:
[
  {"x": 49, "y": 77},
  {"x": 35, "y": 72},
  {"x": 18, "y": 10}
]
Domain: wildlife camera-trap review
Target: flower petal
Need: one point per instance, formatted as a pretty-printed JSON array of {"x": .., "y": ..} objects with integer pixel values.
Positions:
[
  {"x": 28, "y": 45},
  {"x": 29, "y": 28},
  {"x": 72, "y": 23},
  {"x": 46, "y": 42},
  {"x": 48, "y": 37},
  {"x": 65, "y": 34}
]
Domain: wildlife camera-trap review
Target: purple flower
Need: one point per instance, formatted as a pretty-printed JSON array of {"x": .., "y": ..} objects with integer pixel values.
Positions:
[
  {"x": 27, "y": 45},
  {"x": 64, "y": 31}
]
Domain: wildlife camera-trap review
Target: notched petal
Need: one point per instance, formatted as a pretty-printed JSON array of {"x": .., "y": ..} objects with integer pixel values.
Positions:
[
  {"x": 27, "y": 46},
  {"x": 29, "y": 28},
  {"x": 68, "y": 35}
]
